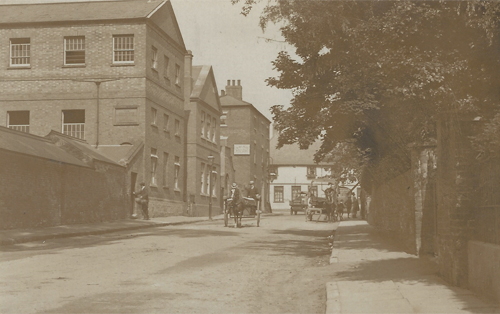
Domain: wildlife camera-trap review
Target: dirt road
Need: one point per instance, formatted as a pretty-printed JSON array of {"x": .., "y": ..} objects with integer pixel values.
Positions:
[{"x": 279, "y": 267}]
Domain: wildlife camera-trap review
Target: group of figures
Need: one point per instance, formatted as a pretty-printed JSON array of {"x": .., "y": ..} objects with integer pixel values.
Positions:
[
  {"x": 334, "y": 208},
  {"x": 237, "y": 206}
]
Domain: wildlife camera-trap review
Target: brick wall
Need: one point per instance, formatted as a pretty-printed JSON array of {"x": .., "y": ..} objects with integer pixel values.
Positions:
[
  {"x": 392, "y": 210},
  {"x": 38, "y": 193}
]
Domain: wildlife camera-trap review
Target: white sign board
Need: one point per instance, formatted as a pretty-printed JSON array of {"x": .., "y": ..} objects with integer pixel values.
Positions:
[{"x": 242, "y": 149}]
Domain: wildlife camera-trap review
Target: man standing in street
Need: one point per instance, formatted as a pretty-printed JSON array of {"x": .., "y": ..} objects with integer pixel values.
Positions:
[{"x": 143, "y": 200}]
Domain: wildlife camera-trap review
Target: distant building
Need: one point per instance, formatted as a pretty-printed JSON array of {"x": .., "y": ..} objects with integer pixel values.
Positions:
[
  {"x": 247, "y": 132},
  {"x": 110, "y": 73},
  {"x": 295, "y": 172}
]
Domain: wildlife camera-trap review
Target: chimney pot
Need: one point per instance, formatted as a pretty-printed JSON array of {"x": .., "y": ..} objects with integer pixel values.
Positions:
[
  {"x": 228, "y": 82},
  {"x": 234, "y": 83},
  {"x": 239, "y": 82}
]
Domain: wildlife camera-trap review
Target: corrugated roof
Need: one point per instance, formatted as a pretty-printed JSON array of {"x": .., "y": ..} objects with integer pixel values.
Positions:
[
  {"x": 292, "y": 154},
  {"x": 77, "y": 11},
  {"x": 28, "y": 144}
]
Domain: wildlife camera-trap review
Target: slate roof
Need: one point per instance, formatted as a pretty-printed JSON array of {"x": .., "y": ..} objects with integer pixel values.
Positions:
[
  {"x": 292, "y": 154},
  {"x": 32, "y": 145},
  {"x": 231, "y": 101},
  {"x": 77, "y": 11}
]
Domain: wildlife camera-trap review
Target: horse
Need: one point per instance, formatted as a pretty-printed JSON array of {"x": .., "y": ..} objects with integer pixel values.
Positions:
[{"x": 235, "y": 209}]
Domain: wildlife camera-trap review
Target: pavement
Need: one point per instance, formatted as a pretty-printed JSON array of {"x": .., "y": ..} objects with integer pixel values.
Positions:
[
  {"x": 375, "y": 276},
  {"x": 15, "y": 236}
]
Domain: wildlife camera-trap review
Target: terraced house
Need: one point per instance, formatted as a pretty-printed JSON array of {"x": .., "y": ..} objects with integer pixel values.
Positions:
[{"x": 110, "y": 73}]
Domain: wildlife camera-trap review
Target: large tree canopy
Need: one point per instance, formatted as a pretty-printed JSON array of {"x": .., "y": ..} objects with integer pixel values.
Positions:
[{"x": 378, "y": 73}]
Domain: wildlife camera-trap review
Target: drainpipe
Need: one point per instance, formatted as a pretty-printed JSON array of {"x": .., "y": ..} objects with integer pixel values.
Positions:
[{"x": 98, "y": 85}]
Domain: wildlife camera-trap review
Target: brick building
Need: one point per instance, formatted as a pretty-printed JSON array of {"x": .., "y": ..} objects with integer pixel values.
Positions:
[
  {"x": 247, "y": 133},
  {"x": 107, "y": 72},
  {"x": 57, "y": 179},
  {"x": 202, "y": 153}
]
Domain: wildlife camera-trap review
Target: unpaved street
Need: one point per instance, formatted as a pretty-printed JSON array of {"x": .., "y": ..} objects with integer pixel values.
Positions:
[{"x": 279, "y": 267}]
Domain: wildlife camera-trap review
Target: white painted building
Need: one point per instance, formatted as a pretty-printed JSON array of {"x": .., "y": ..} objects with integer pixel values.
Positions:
[{"x": 294, "y": 171}]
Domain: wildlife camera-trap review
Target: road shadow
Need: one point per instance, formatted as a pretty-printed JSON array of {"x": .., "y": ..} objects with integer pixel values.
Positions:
[{"x": 56, "y": 245}]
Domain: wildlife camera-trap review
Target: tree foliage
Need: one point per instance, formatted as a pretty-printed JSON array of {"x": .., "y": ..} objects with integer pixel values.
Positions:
[{"x": 378, "y": 73}]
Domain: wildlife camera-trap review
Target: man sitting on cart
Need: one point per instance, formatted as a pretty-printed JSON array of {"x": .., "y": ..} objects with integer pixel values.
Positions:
[
  {"x": 253, "y": 193},
  {"x": 234, "y": 195}
]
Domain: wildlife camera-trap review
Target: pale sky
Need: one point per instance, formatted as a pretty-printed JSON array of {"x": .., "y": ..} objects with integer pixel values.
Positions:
[{"x": 218, "y": 35}]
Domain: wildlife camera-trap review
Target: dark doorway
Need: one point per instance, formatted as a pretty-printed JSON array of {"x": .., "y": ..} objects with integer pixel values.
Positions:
[{"x": 133, "y": 180}]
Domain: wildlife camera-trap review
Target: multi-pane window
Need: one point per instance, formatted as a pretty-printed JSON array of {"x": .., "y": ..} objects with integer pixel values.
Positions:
[
  {"x": 154, "y": 114},
  {"x": 154, "y": 164},
  {"x": 154, "y": 58},
  {"x": 208, "y": 170},
  {"x": 74, "y": 50},
  {"x": 20, "y": 52},
  {"x": 166, "y": 63},
  {"x": 74, "y": 123},
  {"x": 278, "y": 194},
  {"x": 214, "y": 121},
  {"x": 177, "y": 173},
  {"x": 19, "y": 120},
  {"x": 311, "y": 172},
  {"x": 177, "y": 74},
  {"x": 202, "y": 181},
  {"x": 123, "y": 49},
  {"x": 208, "y": 126},
  {"x": 166, "y": 120},
  {"x": 295, "y": 192},
  {"x": 177, "y": 128},
  {"x": 165, "y": 169},
  {"x": 202, "y": 123}
]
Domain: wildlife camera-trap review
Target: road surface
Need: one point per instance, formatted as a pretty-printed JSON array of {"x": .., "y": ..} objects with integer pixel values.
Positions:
[{"x": 279, "y": 267}]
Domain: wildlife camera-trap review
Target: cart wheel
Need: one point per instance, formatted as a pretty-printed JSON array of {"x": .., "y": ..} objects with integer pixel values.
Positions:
[
  {"x": 258, "y": 218},
  {"x": 226, "y": 218}
]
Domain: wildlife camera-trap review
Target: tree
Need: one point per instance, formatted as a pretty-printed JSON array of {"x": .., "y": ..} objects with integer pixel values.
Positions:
[{"x": 377, "y": 74}]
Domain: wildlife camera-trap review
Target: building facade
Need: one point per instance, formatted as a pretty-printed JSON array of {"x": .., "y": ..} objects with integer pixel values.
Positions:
[
  {"x": 109, "y": 73},
  {"x": 203, "y": 148},
  {"x": 246, "y": 131}
]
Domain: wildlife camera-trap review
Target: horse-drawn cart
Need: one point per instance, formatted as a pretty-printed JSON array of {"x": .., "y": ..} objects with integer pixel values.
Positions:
[{"x": 246, "y": 208}]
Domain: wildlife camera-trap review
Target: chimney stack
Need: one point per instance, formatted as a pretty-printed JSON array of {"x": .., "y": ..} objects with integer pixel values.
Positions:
[
  {"x": 234, "y": 90},
  {"x": 223, "y": 92}
]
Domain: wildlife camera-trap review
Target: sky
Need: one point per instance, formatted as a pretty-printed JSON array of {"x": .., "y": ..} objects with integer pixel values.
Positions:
[{"x": 234, "y": 45}]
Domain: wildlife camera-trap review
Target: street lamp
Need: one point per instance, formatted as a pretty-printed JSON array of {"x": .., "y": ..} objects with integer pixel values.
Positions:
[{"x": 211, "y": 158}]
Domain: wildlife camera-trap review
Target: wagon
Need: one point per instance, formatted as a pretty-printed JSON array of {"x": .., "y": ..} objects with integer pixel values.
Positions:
[
  {"x": 299, "y": 204},
  {"x": 248, "y": 208}
]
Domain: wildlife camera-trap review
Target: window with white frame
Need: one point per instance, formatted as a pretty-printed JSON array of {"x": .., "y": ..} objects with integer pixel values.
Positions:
[
  {"x": 278, "y": 194},
  {"x": 20, "y": 52},
  {"x": 74, "y": 50},
  {"x": 296, "y": 192},
  {"x": 208, "y": 127},
  {"x": 177, "y": 128},
  {"x": 165, "y": 169},
  {"x": 154, "y": 58},
  {"x": 214, "y": 125},
  {"x": 19, "y": 120},
  {"x": 214, "y": 182},
  {"x": 202, "y": 181},
  {"x": 177, "y": 75},
  {"x": 154, "y": 164},
  {"x": 207, "y": 178},
  {"x": 177, "y": 173},
  {"x": 202, "y": 123},
  {"x": 123, "y": 48},
  {"x": 73, "y": 123},
  {"x": 154, "y": 114}
]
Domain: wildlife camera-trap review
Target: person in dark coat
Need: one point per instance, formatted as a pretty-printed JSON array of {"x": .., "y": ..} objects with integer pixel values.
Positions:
[
  {"x": 143, "y": 196},
  {"x": 355, "y": 207},
  {"x": 348, "y": 205},
  {"x": 253, "y": 192}
]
